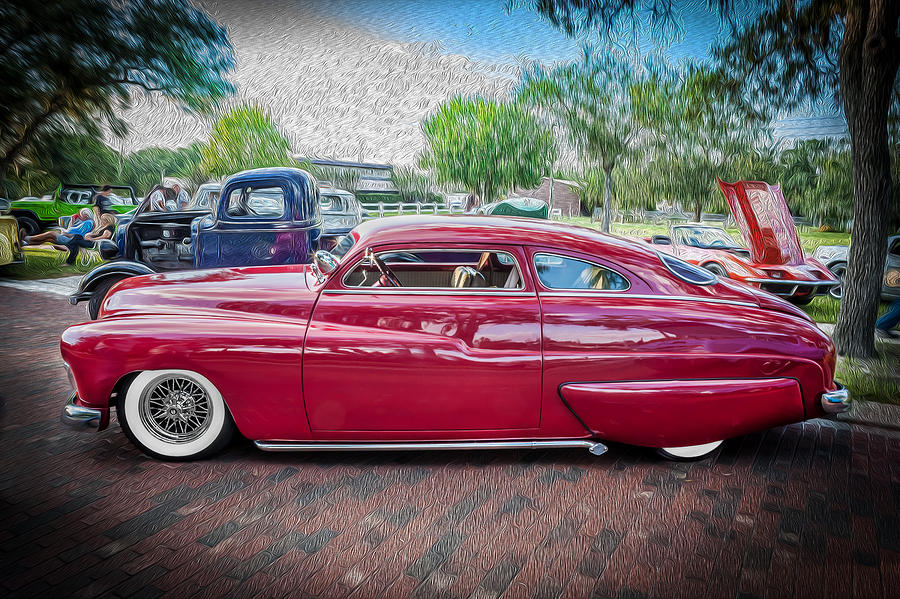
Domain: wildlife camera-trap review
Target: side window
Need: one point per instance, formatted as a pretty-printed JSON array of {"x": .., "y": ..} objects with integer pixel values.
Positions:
[
  {"x": 563, "y": 272},
  {"x": 441, "y": 269},
  {"x": 256, "y": 202}
]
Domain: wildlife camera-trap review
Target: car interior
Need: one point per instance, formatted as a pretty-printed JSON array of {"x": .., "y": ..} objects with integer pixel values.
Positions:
[{"x": 444, "y": 269}]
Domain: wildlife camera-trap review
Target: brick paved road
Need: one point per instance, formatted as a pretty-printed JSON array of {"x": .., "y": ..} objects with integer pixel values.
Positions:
[{"x": 810, "y": 510}]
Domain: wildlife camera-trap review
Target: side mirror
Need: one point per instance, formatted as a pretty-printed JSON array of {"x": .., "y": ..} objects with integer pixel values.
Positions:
[
  {"x": 325, "y": 262},
  {"x": 661, "y": 240}
]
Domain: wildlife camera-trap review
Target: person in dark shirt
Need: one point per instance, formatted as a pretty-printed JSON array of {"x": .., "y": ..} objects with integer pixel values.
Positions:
[{"x": 103, "y": 203}]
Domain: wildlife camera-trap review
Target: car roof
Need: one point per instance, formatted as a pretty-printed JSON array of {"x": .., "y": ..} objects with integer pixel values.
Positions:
[{"x": 509, "y": 230}]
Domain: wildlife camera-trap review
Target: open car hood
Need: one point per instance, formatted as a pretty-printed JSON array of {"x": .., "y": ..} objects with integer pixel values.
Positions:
[{"x": 765, "y": 222}]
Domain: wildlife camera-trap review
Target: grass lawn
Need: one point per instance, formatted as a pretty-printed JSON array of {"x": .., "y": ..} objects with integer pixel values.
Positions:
[
  {"x": 873, "y": 380},
  {"x": 45, "y": 262}
]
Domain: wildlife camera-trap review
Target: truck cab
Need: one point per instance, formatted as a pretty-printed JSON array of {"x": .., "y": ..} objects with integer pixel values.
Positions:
[{"x": 263, "y": 216}]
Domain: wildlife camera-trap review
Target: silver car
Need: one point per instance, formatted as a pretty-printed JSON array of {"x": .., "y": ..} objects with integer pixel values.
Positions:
[{"x": 835, "y": 258}]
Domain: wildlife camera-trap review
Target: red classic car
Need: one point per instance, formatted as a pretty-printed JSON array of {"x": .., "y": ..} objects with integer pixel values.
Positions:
[
  {"x": 774, "y": 260},
  {"x": 448, "y": 333}
]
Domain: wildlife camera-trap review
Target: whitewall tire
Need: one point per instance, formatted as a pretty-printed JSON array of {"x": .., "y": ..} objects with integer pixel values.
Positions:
[
  {"x": 175, "y": 415},
  {"x": 690, "y": 452}
]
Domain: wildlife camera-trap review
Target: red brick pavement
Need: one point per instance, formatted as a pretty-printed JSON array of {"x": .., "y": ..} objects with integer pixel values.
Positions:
[{"x": 810, "y": 510}]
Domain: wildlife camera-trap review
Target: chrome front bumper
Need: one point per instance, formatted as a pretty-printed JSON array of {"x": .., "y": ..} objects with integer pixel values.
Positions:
[
  {"x": 80, "y": 417},
  {"x": 837, "y": 401}
]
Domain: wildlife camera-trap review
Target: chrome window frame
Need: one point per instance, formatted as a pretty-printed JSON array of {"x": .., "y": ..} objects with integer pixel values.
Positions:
[
  {"x": 662, "y": 259},
  {"x": 537, "y": 276},
  {"x": 437, "y": 290}
]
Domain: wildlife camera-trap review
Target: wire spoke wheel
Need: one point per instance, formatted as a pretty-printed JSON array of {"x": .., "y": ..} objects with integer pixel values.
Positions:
[{"x": 175, "y": 409}]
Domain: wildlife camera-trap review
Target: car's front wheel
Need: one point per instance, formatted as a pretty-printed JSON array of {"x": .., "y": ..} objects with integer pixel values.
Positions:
[
  {"x": 175, "y": 415},
  {"x": 690, "y": 452}
]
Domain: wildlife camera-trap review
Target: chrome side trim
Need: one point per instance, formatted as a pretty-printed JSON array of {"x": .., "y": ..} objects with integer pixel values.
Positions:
[
  {"x": 421, "y": 291},
  {"x": 684, "y": 298},
  {"x": 795, "y": 282},
  {"x": 837, "y": 401},
  {"x": 80, "y": 417},
  {"x": 594, "y": 447}
]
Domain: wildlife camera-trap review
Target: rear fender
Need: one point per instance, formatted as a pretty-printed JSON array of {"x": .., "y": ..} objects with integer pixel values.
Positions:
[{"x": 119, "y": 269}]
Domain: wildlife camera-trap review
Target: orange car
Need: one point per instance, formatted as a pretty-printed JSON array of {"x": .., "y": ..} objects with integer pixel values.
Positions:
[{"x": 773, "y": 259}]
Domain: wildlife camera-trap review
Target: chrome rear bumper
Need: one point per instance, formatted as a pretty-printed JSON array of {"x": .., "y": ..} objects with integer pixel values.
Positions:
[
  {"x": 80, "y": 417},
  {"x": 837, "y": 401}
]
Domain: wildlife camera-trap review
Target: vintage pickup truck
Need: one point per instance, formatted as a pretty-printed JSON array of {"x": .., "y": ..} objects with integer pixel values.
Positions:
[{"x": 264, "y": 216}]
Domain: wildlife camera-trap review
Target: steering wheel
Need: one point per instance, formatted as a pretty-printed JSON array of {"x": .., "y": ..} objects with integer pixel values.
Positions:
[{"x": 388, "y": 278}]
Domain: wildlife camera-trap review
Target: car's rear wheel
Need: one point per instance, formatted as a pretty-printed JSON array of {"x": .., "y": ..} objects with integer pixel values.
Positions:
[
  {"x": 839, "y": 270},
  {"x": 716, "y": 269},
  {"x": 690, "y": 452},
  {"x": 175, "y": 415}
]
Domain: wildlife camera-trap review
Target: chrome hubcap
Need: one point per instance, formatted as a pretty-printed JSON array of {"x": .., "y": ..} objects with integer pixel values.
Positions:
[{"x": 175, "y": 409}]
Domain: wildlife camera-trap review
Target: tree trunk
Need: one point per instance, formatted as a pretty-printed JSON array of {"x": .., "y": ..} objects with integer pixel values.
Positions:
[
  {"x": 697, "y": 208},
  {"x": 607, "y": 190},
  {"x": 868, "y": 66}
]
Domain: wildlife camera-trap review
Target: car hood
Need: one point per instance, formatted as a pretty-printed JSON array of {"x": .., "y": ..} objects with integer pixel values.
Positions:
[
  {"x": 765, "y": 222},
  {"x": 281, "y": 292}
]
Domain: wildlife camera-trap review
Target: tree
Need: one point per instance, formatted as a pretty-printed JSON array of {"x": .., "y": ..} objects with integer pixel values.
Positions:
[
  {"x": 788, "y": 53},
  {"x": 487, "y": 147},
  {"x": 67, "y": 64},
  {"x": 816, "y": 180},
  {"x": 414, "y": 186},
  {"x": 701, "y": 127},
  {"x": 592, "y": 99},
  {"x": 242, "y": 139}
]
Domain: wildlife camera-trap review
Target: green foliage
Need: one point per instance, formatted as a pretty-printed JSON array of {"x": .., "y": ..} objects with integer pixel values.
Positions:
[
  {"x": 486, "y": 147},
  {"x": 147, "y": 167},
  {"x": 339, "y": 177},
  {"x": 414, "y": 185},
  {"x": 592, "y": 100},
  {"x": 85, "y": 58},
  {"x": 242, "y": 139},
  {"x": 701, "y": 130}
]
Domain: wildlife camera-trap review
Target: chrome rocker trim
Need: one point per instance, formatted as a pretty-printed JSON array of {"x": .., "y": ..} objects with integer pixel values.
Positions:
[
  {"x": 837, "y": 401},
  {"x": 80, "y": 417},
  {"x": 594, "y": 447}
]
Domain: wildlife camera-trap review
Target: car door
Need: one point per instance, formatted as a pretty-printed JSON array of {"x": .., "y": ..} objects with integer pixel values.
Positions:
[{"x": 444, "y": 352}]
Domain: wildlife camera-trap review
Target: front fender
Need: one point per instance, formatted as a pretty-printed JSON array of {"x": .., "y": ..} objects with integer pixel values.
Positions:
[{"x": 118, "y": 268}]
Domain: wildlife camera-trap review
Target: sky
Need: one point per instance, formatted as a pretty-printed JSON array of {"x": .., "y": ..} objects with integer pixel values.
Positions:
[
  {"x": 485, "y": 30},
  {"x": 353, "y": 79}
]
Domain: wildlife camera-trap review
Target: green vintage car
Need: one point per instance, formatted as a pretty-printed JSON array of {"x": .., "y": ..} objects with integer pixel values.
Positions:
[
  {"x": 36, "y": 214},
  {"x": 517, "y": 207},
  {"x": 10, "y": 250}
]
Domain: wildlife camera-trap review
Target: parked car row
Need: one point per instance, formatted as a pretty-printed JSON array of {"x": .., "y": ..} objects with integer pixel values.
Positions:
[{"x": 428, "y": 332}]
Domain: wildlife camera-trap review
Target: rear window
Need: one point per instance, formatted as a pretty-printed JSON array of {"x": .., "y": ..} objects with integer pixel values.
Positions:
[
  {"x": 564, "y": 272},
  {"x": 687, "y": 271}
]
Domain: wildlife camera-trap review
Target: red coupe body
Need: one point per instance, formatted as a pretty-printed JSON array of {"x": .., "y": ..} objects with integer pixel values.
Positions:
[
  {"x": 565, "y": 333},
  {"x": 773, "y": 259}
]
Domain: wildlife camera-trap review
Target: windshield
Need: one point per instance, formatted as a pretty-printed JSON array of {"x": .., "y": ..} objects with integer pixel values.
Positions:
[
  {"x": 333, "y": 203},
  {"x": 703, "y": 237}
]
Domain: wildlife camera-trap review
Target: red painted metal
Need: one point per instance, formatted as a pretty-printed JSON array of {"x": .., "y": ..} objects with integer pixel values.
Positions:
[
  {"x": 620, "y": 411},
  {"x": 296, "y": 359},
  {"x": 762, "y": 215}
]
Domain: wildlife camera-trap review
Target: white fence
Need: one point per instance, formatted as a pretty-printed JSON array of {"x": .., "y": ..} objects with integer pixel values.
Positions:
[{"x": 379, "y": 209}]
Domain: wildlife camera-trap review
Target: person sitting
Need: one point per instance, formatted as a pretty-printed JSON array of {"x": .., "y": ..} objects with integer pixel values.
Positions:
[
  {"x": 81, "y": 224},
  {"x": 103, "y": 202},
  {"x": 105, "y": 230}
]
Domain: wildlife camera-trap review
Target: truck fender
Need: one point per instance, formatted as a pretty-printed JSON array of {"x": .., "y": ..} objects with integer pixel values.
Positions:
[{"x": 117, "y": 269}]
